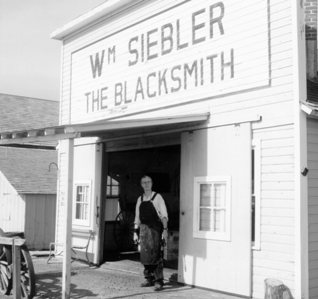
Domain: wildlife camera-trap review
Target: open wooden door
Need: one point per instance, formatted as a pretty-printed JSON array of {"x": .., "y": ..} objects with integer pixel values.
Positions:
[{"x": 215, "y": 220}]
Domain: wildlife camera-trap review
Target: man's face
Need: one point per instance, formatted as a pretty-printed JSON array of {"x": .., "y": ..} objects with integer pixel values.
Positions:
[{"x": 146, "y": 183}]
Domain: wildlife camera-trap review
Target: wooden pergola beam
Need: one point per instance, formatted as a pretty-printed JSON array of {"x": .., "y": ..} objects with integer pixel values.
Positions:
[{"x": 36, "y": 138}]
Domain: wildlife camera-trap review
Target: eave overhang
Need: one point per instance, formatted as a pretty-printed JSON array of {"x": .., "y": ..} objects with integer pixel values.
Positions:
[
  {"x": 106, "y": 129},
  {"x": 102, "y": 11}
]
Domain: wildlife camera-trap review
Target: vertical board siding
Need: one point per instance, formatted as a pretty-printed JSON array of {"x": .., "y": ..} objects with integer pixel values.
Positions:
[
  {"x": 12, "y": 207},
  {"x": 275, "y": 259},
  {"x": 312, "y": 137},
  {"x": 40, "y": 220}
]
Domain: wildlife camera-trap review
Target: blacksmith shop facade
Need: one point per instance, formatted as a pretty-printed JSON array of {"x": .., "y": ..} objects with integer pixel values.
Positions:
[{"x": 206, "y": 97}]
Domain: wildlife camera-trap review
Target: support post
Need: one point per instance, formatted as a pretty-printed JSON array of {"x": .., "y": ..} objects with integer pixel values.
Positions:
[
  {"x": 301, "y": 249},
  {"x": 16, "y": 270},
  {"x": 66, "y": 277}
]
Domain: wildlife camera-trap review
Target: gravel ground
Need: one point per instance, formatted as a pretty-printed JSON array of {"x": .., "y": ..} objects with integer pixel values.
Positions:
[{"x": 117, "y": 279}]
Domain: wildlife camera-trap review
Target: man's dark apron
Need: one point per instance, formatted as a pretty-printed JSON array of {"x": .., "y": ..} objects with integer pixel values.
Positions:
[{"x": 150, "y": 233}]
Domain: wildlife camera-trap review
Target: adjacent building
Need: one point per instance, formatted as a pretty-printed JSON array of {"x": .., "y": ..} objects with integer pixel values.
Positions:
[{"x": 28, "y": 173}]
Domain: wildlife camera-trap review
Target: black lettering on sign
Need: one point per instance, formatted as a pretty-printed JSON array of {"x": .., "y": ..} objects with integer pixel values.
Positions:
[
  {"x": 196, "y": 27},
  {"x": 180, "y": 45},
  {"x": 189, "y": 71},
  {"x": 112, "y": 54},
  {"x": 166, "y": 38},
  {"x": 201, "y": 72},
  {"x": 176, "y": 78},
  {"x": 97, "y": 61},
  {"x": 139, "y": 89},
  {"x": 151, "y": 43},
  {"x": 229, "y": 64},
  {"x": 162, "y": 81},
  {"x": 127, "y": 100},
  {"x": 211, "y": 59},
  {"x": 150, "y": 94},
  {"x": 216, "y": 19},
  {"x": 118, "y": 93},
  {"x": 142, "y": 48},
  {"x": 97, "y": 64},
  {"x": 87, "y": 94},
  {"x": 103, "y": 98},
  {"x": 133, "y": 50},
  {"x": 96, "y": 100}
]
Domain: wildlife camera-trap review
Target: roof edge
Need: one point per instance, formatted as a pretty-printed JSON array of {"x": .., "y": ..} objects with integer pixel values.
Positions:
[{"x": 107, "y": 8}]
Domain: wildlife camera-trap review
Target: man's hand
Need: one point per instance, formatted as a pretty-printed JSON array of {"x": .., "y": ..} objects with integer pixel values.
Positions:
[
  {"x": 136, "y": 239},
  {"x": 165, "y": 237}
]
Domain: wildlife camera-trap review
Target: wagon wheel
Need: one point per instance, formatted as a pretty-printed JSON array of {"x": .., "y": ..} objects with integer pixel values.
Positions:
[
  {"x": 124, "y": 231},
  {"x": 27, "y": 273},
  {"x": 5, "y": 271}
]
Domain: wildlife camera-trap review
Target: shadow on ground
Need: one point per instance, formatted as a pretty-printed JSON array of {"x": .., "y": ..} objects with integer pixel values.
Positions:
[
  {"x": 168, "y": 288},
  {"x": 48, "y": 285}
]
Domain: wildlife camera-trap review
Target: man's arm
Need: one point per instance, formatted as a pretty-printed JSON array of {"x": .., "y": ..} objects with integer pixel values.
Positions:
[
  {"x": 165, "y": 230},
  {"x": 136, "y": 222}
]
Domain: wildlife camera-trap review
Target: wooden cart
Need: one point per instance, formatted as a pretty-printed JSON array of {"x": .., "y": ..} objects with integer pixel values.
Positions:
[{"x": 27, "y": 276}]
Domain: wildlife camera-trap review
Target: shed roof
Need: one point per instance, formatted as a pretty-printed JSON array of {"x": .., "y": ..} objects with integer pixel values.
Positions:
[
  {"x": 30, "y": 170},
  {"x": 27, "y": 113},
  {"x": 25, "y": 168}
]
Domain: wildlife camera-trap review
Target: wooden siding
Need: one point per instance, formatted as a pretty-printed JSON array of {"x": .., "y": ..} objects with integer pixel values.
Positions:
[
  {"x": 274, "y": 103},
  {"x": 60, "y": 210},
  {"x": 40, "y": 220},
  {"x": 312, "y": 137},
  {"x": 84, "y": 171},
  {"x": 12, "y": 207},
  {"x": 275, "y": 259}
]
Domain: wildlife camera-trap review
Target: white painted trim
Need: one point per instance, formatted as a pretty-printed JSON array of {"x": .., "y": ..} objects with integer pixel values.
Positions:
[
  {"x": 78, "y": 223},
  {"x": 109, "y": 125},
  {"x": 61, "y": 84},
  {"x": 106, "y": 9},
  {"x": 66, "y": 274},
  {"x": 222, "y": 236},
  {"x": 257, "y": 191},
  {"x": 301, "y": 192}
]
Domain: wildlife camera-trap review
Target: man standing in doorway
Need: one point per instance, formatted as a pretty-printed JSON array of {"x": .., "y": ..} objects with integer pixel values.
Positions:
[{"x": 151, "y": 220}]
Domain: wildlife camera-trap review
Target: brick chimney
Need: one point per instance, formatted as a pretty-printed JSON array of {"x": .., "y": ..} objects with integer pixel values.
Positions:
[{"x": 311, "y": 38}]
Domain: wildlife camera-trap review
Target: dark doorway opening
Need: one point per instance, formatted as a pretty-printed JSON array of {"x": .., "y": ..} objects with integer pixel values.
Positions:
[{"x": 123, "y": 174}]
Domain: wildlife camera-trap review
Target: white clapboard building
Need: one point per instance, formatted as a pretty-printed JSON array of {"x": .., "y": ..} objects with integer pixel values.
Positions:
[
  {"x": 28, "y": 173},
  {"x": 210, "y": 99}
]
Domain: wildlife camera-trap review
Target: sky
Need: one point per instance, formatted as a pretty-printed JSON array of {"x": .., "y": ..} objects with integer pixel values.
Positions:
[{"x": 29, "y": 59}]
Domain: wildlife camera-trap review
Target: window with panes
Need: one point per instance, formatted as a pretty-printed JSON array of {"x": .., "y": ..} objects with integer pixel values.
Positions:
[{"x": 212, "y": 207}]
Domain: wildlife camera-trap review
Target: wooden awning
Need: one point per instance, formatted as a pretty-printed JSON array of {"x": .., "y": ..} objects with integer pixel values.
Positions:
[{"x": 106, "y": 129}]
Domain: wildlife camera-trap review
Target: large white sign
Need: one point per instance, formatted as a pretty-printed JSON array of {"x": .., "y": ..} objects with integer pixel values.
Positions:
[{"x": 193, "y": 51}]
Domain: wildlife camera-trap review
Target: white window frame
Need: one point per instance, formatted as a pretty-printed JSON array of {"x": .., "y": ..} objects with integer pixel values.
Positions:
[
  {"x": 256, "y": 144},
  {"x": 197, "y": 233},
  {"x": 82, "y": 222}
]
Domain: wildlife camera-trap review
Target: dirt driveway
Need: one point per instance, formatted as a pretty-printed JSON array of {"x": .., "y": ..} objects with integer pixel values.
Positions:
[{"x": 116, "y": 279}]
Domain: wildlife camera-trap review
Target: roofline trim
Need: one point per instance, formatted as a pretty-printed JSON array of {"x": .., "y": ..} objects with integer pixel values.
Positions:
[
  {"x": 91, "y": 16},
  {"x": 89, "y": 129}
]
